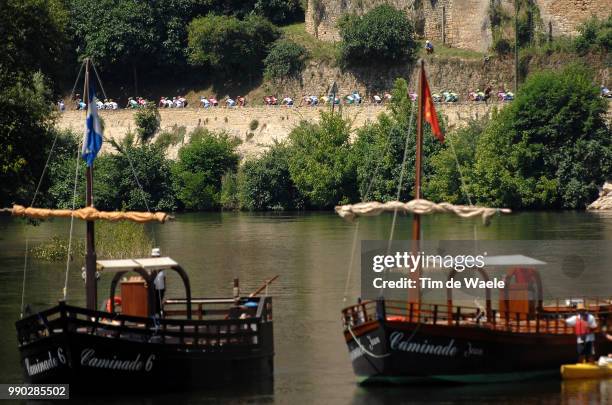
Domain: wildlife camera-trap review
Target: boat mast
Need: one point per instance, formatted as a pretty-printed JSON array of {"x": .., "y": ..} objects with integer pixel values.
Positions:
[
  {"x": 91, "y": 290},
  {"x": 415, "y": 293}
]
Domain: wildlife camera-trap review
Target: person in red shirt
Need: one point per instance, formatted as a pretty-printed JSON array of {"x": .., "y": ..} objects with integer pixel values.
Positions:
[{"x": 584, "y": 326}]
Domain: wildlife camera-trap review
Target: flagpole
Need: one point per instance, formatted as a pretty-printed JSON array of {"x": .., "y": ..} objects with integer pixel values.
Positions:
[
  {"x": 415, "y": 295},
  {"x": 91, "y": 290}
]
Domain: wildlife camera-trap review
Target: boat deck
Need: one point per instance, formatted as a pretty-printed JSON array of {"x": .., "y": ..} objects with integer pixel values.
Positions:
[
  {"x": 547, "y": 320},
  {"x": 235, "y": 328}
]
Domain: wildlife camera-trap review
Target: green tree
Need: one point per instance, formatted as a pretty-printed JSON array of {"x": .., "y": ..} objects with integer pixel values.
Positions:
[
  {"x": 32, "y": 46},
  {"x": 265, "y": 182},
  {"x": 230, "y": 45},
  {"x": 279, "y": 11},
  {"x": 550, "y": 148},
  {"x": 26, "y": 136},
  {"x": 383, "y": 35},
  {"x": 115, "y": 33},
  {"x": 378, "y": 152},
  {"x": 285, "y": 60},
  {"x": 116, "y": 177},
  {"x": 319, "y": 162},
  {"x": 200, "y": 167},
  {"x": 34, "y": 39},
  {"x": 450, "y": 182}
]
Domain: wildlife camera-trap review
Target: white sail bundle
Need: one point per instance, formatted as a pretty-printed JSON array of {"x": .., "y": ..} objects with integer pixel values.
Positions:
[{"x": 420, "y": 206}]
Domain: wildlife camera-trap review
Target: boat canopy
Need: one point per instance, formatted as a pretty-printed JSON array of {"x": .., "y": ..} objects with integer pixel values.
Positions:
[
  {"x": 89, "y": 214},
  {"x": 149, "y": 264},
  {"x": 512, "y": 260},
  {"x": 419, "y": 206}
]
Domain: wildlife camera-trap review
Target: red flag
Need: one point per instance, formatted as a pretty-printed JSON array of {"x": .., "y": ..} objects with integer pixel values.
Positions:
[{"x": 429, "y": 110}]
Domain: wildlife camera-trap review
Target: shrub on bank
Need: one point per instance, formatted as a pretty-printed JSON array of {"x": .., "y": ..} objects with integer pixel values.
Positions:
[
  {"x": 378, "y": 151},
  {"x": 383, "y": 35},
  {"x": 115, "y": 184},
  {"x": 450, "y": 182},
  {"x": 265, "y": 182},
  {"x": 550, "y": 148},
  {"x": 200, "y": 166},
  {"x": 319, "y": 161}
]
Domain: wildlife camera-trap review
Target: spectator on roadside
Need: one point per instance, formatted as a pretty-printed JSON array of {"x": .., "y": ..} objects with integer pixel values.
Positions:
[
  {"x": 61, "y": 106},
  {"x": 429, "y": 48}
]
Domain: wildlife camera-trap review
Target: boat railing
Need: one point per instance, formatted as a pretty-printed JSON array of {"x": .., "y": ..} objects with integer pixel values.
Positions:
[
  {"x": 548, "y": 321},
  {"x": 219, "y": 308},
  {"x": 210, "y": 334}
]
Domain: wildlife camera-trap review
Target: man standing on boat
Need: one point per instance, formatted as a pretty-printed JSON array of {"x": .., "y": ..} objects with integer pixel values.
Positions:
[
  {"x": 584, "y": 326},
  {"x": 160, "y": 284}
]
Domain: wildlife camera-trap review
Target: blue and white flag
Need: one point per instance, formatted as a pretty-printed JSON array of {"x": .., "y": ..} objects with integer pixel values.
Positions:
[{"x": 92, "y": 142}]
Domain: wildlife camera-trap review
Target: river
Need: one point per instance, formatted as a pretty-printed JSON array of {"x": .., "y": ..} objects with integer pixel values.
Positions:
[{"x": 311, "y": 253}]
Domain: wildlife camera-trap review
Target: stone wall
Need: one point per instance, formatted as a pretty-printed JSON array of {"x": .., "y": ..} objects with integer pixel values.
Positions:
[
  {"x": 274, "y": 123},
  {"x": 567, "y": 15},
  {"x": 458, "y": 23}
]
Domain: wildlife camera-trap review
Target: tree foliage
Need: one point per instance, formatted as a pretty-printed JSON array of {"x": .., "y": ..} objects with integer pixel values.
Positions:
[
  {"x": 549, "y": 148},
  {"x": 229, "y": 44},
  {"x": 379, "y": 150},
  {"x": 31, "y": 47},
  {"x": 285, "y": 60},
  {"x": 200, "y": 167},
  {"x": 265, "y": 183},
  {"x": 595, "y": 34},
  {"x": 114, "y": 33},
  {"x": 453, "y": 165},
  {"x": 117, "y": 177},
  {"x": 383, "y": 35},
  {"x": 320, "y": 163}
]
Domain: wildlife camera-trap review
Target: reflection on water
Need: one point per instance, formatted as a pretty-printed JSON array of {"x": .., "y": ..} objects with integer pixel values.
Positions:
[{"x": 311, "y": 253}]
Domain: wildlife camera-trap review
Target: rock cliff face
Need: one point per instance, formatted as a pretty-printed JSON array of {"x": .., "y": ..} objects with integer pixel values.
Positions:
[
  {"x": 458, "y": 23},
  {"x": 604, "y": 202}
]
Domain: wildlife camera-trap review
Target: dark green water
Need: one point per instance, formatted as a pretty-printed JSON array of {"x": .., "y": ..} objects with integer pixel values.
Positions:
[{"x": 311, "y": 253}]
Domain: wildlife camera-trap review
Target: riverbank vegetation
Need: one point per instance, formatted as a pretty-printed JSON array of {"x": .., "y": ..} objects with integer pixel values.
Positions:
[
  {"x": 113, "y": 241},
  {"x": 537, "y": 153},
  {"x": 549, "y": 149}
]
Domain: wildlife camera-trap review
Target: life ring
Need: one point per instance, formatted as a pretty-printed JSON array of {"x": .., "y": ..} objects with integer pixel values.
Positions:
[{"x": 116, "y": 300}]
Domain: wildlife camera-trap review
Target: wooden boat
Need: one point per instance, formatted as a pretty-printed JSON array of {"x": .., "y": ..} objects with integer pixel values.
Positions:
[
  {"x": 147, "y": 345},
  {"x": 585, "y": 371},
  {"x": 391, "y": 341}
]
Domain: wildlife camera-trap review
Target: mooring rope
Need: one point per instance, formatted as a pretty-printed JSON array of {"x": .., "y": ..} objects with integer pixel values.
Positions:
[
  {"x": 74, "y": 195},
  {"x": 23, "y": 284}
]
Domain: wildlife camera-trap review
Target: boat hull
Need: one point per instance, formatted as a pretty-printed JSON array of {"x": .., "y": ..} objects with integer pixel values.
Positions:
[
  {"x": 93, "y": 350},
  {"x": 406, "y": 352},
  {"x": 86, "y": 362}
]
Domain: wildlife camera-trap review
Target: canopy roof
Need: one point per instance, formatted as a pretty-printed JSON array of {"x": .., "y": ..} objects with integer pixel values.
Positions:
[
  {"x": 149, "y": 264},
  {"x": 512, "y": 260}
]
